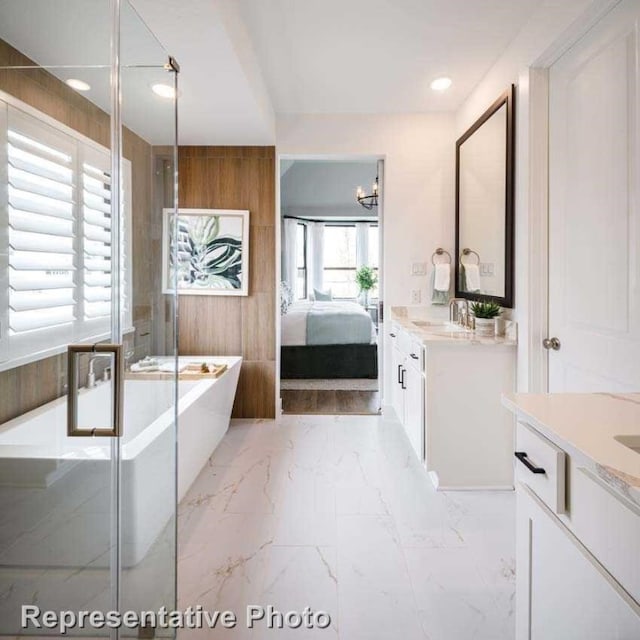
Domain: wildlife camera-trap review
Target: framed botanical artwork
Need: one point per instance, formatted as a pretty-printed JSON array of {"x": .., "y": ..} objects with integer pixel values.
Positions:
[{"x": 212, "y": 257}]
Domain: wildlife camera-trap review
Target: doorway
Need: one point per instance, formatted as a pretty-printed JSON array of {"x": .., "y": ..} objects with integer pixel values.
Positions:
[{"x": 331, "y": 247}]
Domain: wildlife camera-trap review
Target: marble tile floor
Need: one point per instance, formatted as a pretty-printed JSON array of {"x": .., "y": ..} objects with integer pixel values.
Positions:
[{"x": 335, "y": 513}]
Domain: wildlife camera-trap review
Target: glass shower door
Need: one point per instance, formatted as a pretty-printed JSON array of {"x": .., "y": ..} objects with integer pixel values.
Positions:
[{"x": 88, "y": 386}]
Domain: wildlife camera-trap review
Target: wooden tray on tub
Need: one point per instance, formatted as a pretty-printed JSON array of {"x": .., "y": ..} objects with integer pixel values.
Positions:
[{"x": 190, "y": 372}]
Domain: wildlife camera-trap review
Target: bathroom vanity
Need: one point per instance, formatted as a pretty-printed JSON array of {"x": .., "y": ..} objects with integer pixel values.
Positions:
[
  {"x": 446, "y": 384},
  {"x": 578, "y": 516}
]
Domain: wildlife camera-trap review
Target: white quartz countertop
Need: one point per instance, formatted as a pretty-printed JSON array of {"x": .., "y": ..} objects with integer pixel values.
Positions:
[
  {"x": 415, "y": 321},
  {"x": 593, "y": 425}
]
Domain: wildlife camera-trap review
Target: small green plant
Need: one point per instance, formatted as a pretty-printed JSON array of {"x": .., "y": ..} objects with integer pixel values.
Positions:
[
  {"x": 486, "y": 310},
  {"x": 366, "y": 278}
]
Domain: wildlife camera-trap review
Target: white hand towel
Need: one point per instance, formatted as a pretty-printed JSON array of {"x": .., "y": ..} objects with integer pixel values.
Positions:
[
  {"x": 472, "y": 277},
  {"x": 442, "y": 280}
]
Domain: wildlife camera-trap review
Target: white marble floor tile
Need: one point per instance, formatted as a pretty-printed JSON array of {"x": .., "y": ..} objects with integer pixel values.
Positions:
[
  {"x": 337, "y": 514},
  {"x": 300, "y": 577}
]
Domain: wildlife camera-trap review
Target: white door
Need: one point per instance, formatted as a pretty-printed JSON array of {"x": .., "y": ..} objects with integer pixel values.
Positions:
[{"x": 594, "y": 231}]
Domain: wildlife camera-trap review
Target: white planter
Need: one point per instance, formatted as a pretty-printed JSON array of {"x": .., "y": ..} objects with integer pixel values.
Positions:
[{"x": 485, "y": 327}]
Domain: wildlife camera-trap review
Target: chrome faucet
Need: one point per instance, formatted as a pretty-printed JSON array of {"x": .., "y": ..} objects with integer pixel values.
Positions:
[
  {"x": 91, "y": 376},
  {"x": 454, "y": 312}
]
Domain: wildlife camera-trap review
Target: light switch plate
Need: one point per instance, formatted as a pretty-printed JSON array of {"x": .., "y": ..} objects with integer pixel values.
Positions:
[{"x": 419, "y": 269}]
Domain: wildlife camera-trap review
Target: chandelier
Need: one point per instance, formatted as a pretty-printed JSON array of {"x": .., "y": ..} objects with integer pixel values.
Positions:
[{"x": 368, "y": 201}]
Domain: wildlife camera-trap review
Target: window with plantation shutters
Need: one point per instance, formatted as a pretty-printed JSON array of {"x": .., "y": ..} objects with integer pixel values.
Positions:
[
  {"x": 41, "y": 234},
  {"x": 55, "y": 257}
]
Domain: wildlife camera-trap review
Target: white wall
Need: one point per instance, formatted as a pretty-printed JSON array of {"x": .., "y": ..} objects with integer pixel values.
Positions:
[
  {"x": 419, "y": 156},
  {"x": 551, "y": 29},
  {"x": 418, "y": 186}
]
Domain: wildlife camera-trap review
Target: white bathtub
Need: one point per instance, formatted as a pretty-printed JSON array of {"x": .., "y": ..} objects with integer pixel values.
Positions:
[{"x": 55, "y": 491}]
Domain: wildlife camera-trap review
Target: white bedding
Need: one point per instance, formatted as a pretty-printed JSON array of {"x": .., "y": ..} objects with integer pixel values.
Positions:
[{"x": 294, "y": 322}]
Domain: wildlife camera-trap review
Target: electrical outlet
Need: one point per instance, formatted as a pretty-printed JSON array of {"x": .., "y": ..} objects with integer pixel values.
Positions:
[
  {"x": 419, "y": 269},
  {"x": 416, "y": 296}
]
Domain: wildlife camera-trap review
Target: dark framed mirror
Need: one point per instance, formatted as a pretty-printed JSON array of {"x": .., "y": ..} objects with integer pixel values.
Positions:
[{"x": 485, "y": 205}]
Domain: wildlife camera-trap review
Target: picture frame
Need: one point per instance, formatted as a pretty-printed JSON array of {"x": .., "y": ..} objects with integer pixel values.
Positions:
[{"x": 212, "y": 255}]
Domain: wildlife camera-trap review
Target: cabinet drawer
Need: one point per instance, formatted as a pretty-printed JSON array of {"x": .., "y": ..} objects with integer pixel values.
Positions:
[
  {"x": 541, "y": 466},
  {"x": 404, "y": 342}
]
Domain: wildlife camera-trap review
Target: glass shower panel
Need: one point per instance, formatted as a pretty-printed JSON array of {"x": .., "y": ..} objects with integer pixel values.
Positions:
[
  {"x": 149, "y": 460},
  {"x": 80, "y": 528}
]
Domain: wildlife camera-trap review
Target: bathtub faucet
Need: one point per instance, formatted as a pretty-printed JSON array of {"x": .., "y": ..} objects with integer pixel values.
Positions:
[{"x": 91, "y": 376}]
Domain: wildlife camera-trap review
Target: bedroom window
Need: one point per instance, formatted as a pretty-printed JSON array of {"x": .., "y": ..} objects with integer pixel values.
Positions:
[
  {"x": 56, "y": 281},
  {"x": 340, "y": 260},
  {"x": 373, "y": 248},
  {"x": 301, "y": 261}
]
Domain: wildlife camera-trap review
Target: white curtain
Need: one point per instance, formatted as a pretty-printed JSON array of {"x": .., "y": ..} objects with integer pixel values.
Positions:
[
  {"x": 315, "y": 239},
  {"x": 289, "y": 233},
  {"x": 362, "y": 244}
]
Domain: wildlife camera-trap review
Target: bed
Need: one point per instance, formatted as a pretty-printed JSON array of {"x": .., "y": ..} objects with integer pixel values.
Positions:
[{"x": 328, "y": 339}]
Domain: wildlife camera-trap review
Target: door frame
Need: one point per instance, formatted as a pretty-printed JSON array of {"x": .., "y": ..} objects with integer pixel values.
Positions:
[
  {"x": 532, "y": 179},
  {"x": 344, "y": 157}
]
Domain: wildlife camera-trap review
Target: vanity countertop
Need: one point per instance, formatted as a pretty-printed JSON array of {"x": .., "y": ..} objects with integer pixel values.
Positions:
[
  {"x": 602, "y": 430},
  {"x": 416, "y": 321}
]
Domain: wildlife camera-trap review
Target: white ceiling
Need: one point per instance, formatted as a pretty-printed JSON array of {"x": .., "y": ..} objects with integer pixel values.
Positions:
[
  {"x": 243, "y": 61},
  {"x": 378, "y": 56},
  {"x": 325, "y": 188}
]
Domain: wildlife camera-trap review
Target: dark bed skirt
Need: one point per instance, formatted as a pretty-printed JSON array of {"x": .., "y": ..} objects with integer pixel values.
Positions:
[{"x": 330, "y": 361}]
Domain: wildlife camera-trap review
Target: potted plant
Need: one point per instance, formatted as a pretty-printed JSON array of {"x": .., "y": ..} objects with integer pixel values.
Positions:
[
  {"x": 485, "y": 314},
  {"x": 366, "y": 279}
]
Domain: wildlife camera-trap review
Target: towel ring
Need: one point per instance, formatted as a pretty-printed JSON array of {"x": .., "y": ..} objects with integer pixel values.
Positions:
[
  {"x": 466, "y": 252},
  {"x": 438, "y": 252}
]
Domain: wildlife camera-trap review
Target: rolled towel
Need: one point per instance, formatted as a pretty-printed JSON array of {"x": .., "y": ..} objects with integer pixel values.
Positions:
[
  {"x": 138, "y": 367},
  {"x": 472, "y": 278}
]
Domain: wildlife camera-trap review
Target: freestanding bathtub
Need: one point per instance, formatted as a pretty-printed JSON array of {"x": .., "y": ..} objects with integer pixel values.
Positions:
[{"x": 55, "y": 491}]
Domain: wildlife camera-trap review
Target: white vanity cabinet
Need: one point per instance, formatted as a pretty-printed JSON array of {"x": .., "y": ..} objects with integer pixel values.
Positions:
[
  {"x": 562, "y": 590},
  {"x": 445, "y": 386},
  {"x": 408, "y": 386},
  {"x": 578, "y": 535}
]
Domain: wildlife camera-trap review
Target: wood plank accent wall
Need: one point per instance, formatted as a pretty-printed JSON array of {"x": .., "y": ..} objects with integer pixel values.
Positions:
[
  {"x": 27, "y": 387},
  {"x": 236, "y": 178}
]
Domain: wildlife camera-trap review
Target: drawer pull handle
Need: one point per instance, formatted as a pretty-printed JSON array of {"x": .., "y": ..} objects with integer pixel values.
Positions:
[
  {"x": 402, "y": 381},
  {"x": 522, "y": 456},
  {"x": 399, "y": 374},
  {"x": 414, "y": 356},
  {"x": 393, "y": 335}
]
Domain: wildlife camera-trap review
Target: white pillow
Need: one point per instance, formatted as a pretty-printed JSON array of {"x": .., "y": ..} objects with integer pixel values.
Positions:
[{"x": 322, "y": 296}]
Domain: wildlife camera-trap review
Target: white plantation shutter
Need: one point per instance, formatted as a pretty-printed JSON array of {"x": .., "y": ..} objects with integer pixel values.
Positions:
[
  {"x": 96, "y": 242},
  {"x": 55, "y": 257},
  {"x": 40, "y": 211}
]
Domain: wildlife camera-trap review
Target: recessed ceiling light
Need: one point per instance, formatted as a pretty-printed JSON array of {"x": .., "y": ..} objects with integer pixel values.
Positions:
[
  {"x": 441, "y": 84},
  {"x": 164, "y": 90},
  {"x": 78, "y": 85}
]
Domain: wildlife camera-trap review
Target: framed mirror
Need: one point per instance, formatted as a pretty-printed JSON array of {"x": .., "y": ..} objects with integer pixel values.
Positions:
[{"x": 485, "y": 205}]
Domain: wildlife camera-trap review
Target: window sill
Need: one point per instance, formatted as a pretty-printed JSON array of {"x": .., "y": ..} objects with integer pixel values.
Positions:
[{"x": 7, "y": 365}]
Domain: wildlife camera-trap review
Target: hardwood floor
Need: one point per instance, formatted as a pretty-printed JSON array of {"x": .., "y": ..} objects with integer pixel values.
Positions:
[{"x": 329, "y": 401}]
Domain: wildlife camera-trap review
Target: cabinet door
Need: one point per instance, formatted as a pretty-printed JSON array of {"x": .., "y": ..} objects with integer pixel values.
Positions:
[
  {"x": 563, "y": 592},
  {"x": 414, "y": 384},
  {"x": 397, "y": 397}
]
